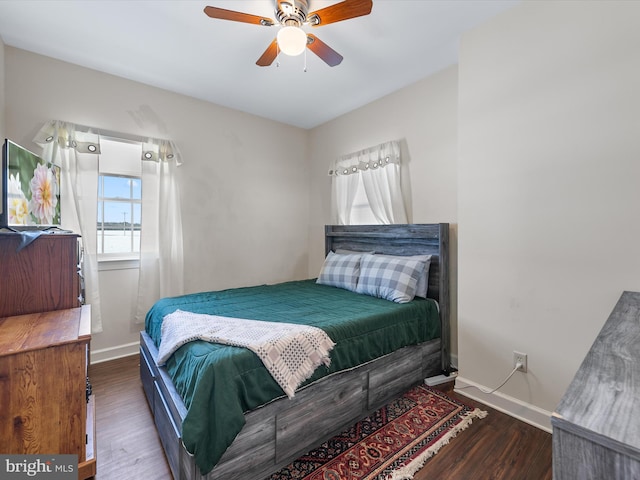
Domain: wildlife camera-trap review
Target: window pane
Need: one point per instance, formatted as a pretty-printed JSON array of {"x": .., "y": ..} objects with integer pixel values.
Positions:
[
  {"x": 137, "y": 188},
  {"x": 117, "y": 241},
  {"x": 137, "y": 208},
  {"x": 119, "y": 214},
  {"x": 117, "y": 187},
  {"x": 136, "y": 241},
  {"x": 117, "y": 227}
]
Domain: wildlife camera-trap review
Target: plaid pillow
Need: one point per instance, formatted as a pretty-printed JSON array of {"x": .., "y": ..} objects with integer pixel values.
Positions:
[
  {"x": 340, "y": 271},
  {"x": 391, "y": 278},
  {"x": 423, "y": 280}
]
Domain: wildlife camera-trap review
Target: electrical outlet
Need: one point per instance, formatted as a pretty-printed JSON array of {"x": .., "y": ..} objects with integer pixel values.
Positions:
[{"x": 521, "y": 358}]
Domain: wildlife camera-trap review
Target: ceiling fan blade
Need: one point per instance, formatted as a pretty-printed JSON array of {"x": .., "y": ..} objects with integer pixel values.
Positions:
[
  {"x": 269, "y": 55},
  {"x": 340, "y": 11},
  {"x": 324, "y": 51},
  {"x": 222, "y": 14}
]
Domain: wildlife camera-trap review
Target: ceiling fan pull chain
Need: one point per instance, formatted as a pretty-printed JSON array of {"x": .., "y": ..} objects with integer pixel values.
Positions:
[{"x": 305, "y": 61}]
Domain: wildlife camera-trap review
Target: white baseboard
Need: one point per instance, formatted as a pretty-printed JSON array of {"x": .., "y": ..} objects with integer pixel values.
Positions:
[
  {"x": 112, "y": 353},
  {"x": 506, "y": 404}
]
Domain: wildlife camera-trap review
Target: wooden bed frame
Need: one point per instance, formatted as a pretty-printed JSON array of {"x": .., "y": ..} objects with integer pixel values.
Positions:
[{"x": 279, "y": 432}]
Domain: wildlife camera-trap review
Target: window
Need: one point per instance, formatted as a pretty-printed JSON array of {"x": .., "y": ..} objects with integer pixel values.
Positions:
[
  {"x": 366, "y": 187},
  {"x": 119, "y": 216}
]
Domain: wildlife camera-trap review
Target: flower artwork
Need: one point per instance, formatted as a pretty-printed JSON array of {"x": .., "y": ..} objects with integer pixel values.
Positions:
[
  {"x": 33, "y": 189},
  {"x": 17, "y": 203}
]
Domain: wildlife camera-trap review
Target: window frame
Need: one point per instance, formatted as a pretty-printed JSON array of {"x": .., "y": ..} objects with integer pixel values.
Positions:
[{"x": 126, "y": 257}]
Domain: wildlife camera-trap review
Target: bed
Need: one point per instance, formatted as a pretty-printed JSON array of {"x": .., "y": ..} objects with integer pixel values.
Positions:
[{"x": 276, "y": 429}]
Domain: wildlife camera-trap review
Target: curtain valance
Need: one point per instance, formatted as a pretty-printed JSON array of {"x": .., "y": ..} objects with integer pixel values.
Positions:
[
  {"x": 371, "y": 158},
  {"x": 87, "y": 140}
]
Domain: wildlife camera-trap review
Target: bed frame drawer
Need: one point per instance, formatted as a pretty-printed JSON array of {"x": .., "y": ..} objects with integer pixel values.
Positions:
[
  {"x": 147, "y": 377},
  {"x": 256, "y": 437}
]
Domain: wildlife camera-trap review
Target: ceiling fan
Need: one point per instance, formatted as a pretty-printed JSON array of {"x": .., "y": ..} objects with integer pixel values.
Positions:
[{"x": 291, "y": 15}]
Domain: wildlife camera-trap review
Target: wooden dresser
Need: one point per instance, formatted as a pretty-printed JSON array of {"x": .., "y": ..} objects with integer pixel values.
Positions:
[
  {"x": 42, "y": 276},
  {"x": 44, "y": 351},
  {"x": 43, "y": 372},
  {"x": 596, "y": 426}
]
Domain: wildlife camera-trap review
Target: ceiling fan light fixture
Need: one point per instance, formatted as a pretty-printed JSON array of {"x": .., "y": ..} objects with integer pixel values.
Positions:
[{"x": 292, "y": 40}]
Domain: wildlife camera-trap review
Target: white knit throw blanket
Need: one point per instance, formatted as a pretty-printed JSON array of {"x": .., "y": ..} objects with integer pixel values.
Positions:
[{"x": 290, "y": 352}]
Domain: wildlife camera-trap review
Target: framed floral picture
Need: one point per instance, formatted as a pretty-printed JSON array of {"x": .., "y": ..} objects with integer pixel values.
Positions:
[{"x": 31, "y": 189}]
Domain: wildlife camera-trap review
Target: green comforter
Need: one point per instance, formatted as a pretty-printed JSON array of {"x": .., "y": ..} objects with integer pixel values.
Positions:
[{"x": 218, "y": 383}]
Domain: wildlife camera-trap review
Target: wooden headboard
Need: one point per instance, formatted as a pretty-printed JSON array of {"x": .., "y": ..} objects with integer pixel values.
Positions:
[{"x": 411, "y": 239}]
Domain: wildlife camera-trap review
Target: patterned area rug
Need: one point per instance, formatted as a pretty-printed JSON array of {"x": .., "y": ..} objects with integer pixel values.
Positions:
[{"x": 391, "y": 444}]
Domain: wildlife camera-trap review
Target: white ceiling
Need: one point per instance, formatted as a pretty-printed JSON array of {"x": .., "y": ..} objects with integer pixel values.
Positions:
[{"x": 173, "y": 45}]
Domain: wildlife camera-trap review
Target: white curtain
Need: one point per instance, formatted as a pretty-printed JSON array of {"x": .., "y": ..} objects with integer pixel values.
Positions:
[
  {"x": 77, "y": 154},
  {"x": 161, "y": 254},
  {"x": 379, "y": 168},
  {"x": 343, "y": 192},
  {"x": 76, "y": 149}
]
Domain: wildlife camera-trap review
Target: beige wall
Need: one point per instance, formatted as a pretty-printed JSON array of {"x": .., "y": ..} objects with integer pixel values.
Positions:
[
  {"x": 548, "y": 191},
  {"x": 423, "y": 116},
  {"x": 244, "y": 189}
]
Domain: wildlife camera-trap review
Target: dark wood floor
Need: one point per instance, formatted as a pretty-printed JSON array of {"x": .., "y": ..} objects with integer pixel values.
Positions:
[{"x": 496, "y": 447}]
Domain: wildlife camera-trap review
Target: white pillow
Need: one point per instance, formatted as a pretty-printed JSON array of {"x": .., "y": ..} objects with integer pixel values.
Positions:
[
  {"x": 389, "y": 277},
  {"x": 340, "y": 271}
]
